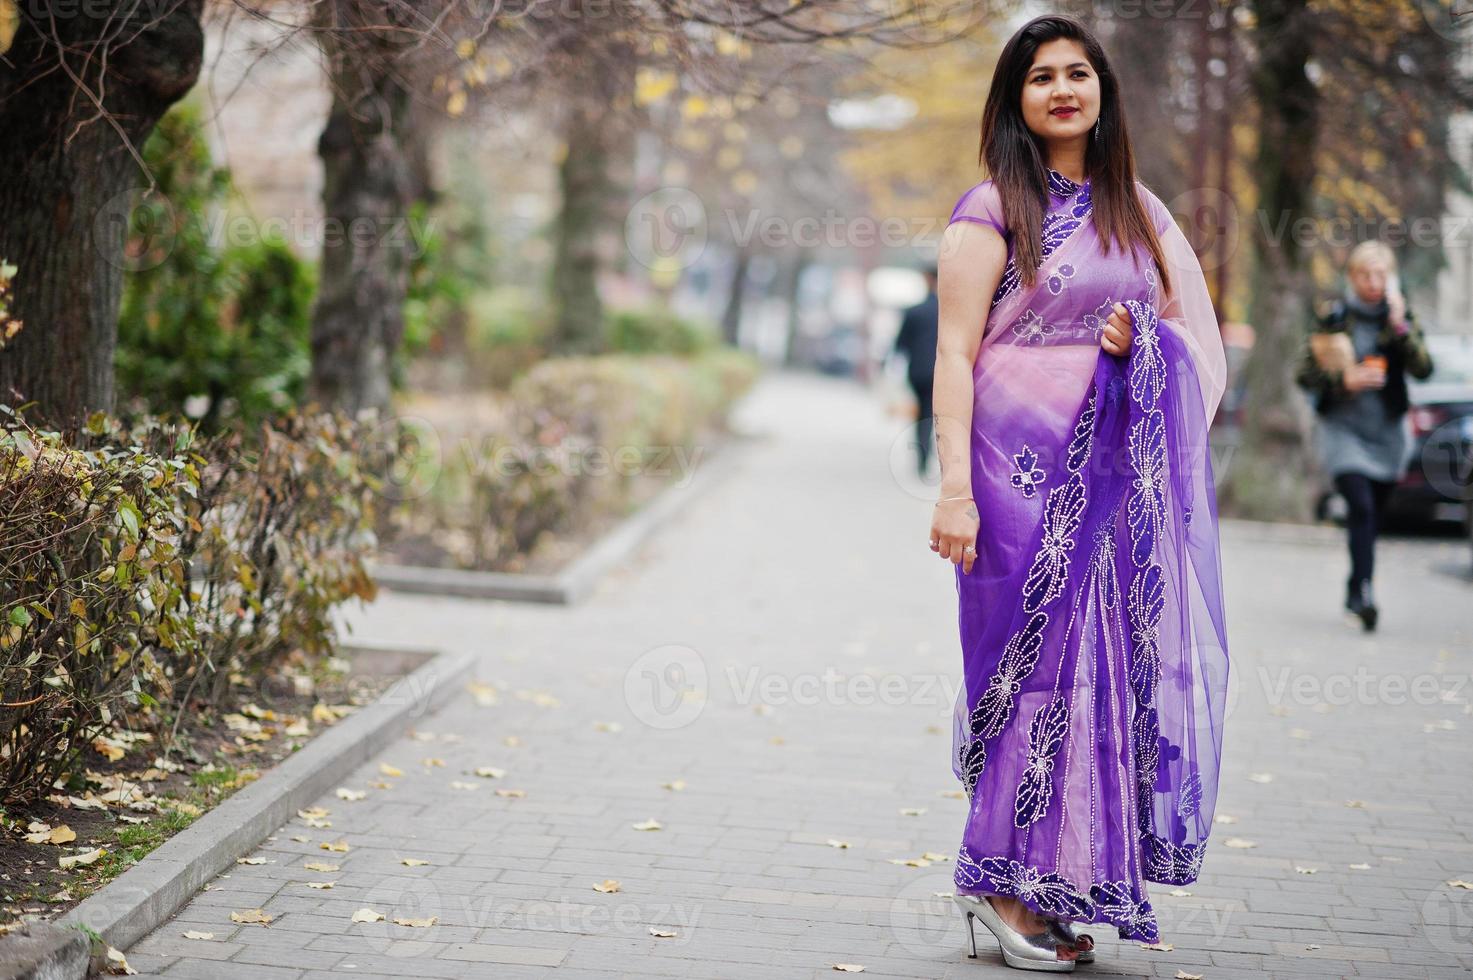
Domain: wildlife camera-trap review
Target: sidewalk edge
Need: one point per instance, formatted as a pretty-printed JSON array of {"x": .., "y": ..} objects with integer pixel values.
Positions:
[{"x": 147, "y": 894}]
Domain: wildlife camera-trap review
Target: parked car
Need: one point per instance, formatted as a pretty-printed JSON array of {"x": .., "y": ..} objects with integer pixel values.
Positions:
[{"x": 1438, "y": 484}]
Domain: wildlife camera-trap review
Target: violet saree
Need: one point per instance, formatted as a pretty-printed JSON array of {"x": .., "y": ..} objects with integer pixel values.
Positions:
[{"x": 1088, "y": 730}]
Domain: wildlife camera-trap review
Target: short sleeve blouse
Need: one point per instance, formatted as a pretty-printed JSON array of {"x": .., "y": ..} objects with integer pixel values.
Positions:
[{"x": 982, "y": 204}]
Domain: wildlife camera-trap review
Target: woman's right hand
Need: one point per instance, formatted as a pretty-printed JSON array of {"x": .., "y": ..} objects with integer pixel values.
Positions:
[
  {"x": 1362, "y": 377},
  {"x": 954, "y": 525}
]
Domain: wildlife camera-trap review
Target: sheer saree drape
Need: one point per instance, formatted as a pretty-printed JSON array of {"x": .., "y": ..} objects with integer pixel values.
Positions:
[{"x": 1088, "y": 731}]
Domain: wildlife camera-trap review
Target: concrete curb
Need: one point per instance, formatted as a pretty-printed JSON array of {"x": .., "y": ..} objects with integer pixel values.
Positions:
[
  {"x": 579, "y": 577},
  {"x": 137, "y": 901},
  {"x": 44, "y": 951}
]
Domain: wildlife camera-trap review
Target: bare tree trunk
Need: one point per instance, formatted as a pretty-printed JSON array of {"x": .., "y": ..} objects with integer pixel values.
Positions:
[
  {"x": 731, "y": 317},
  {"x": 1267, "y": 477},
  {"x": 368, "y": 188},
  {"x": 1224, "y": 256},
  {"x": 792, "y": 292},
  {"x": 71, "y": 184},
  {"x": 594, "y": 179},
  {"x": 583, "y": 182}
]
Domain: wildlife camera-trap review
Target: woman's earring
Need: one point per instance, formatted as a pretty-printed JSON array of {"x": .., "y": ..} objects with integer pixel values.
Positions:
[{"x": 1097, "y": 130}]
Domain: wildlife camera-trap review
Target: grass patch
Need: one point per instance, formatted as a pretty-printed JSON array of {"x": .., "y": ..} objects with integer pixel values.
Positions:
[{"x": 132, "y": 842}]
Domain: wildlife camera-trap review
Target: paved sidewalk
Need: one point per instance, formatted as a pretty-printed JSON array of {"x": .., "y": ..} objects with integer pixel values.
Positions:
[{"x": 814, "y": 637}]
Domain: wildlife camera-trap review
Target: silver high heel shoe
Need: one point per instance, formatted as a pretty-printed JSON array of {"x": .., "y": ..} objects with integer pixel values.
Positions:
[
  {"x": 1037, "y": 952},
  {"x": 1066, "y": 934}
]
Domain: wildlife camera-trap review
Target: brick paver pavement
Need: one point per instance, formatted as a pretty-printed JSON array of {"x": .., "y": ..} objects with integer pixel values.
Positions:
[{"x": 787, "y": 648}]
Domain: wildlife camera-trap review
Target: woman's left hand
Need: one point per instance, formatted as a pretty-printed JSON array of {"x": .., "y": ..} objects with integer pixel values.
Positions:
[
  {"x": 1115, "y": 338},
  {"x": 1396, "y": 311}
]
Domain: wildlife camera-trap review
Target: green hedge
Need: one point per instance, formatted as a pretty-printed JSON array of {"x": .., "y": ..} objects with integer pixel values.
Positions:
[
  {"x": 582, "y": 435},
  {"x": 144, "y": 569}
]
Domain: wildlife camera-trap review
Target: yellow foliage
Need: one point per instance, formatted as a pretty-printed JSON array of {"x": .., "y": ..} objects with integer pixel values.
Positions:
[
  {"x": 652, "y": 85},
  {"x": 919, "y": 170},
  {"x": 9, "y": 22}
]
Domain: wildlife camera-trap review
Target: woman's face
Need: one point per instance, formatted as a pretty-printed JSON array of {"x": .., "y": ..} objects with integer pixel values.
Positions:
[
  {"x": 1368, "y": 279},
  {"x": 1061, "y": 92}
]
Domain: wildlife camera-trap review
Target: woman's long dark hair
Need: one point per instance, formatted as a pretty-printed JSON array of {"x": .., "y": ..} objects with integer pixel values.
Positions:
[{"x": 1016, "y": 158}]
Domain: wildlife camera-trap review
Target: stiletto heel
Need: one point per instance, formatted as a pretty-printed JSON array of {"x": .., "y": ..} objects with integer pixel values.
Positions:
[
  {"x": 971, "y": 931},
  {"x": 1036, "y": 952}
]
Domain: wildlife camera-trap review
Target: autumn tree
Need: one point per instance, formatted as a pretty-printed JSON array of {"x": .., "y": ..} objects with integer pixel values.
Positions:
[{"x": 81, "y": 86}]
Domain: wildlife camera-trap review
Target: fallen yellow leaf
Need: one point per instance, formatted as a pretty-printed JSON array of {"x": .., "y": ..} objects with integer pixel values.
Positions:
[
  {"x": 608, "y": 887},
  {"x": 117, "y": 964},
  {"x": 72, "y": 860},
  {"x": 417, "y": 923},
  {"x": 485, "y": 694},
  {"x": 60, "y": 834}
]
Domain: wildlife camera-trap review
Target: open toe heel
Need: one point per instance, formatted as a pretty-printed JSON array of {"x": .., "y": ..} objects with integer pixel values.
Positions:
[{"x": 1036, "y": 952}]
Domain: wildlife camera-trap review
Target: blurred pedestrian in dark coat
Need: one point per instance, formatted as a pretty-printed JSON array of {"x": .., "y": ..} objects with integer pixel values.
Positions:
[{"x": 917, "y": 340}]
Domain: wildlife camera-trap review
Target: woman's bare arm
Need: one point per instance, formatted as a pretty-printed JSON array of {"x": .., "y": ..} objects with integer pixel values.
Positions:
[{"x": 969, "y": 267}]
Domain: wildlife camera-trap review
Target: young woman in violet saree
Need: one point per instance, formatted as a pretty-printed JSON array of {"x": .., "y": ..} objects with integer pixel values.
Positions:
[{"x": 1079, "y": 369}]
